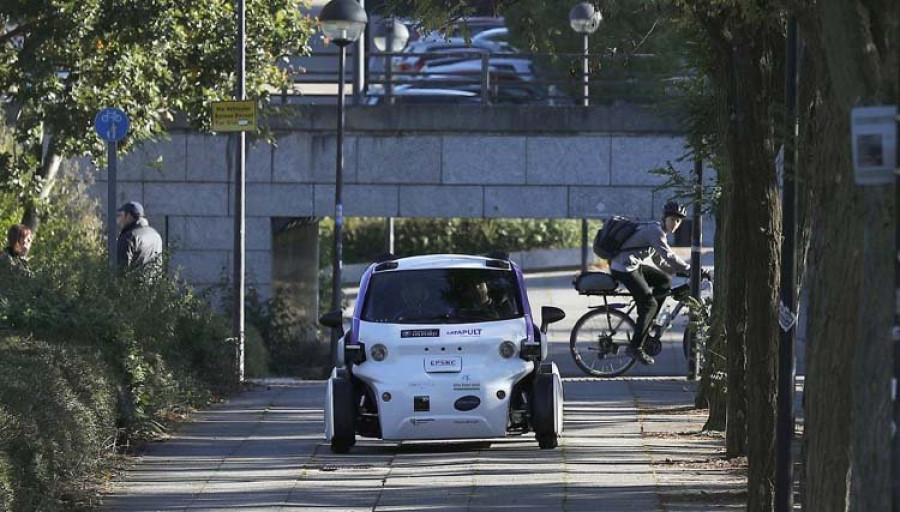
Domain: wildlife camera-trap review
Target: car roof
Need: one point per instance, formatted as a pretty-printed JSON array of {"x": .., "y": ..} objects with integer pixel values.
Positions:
[
  {"x": 491, "y": 33},
  {"x": 441, "y": 261},
  {"x": 416, "y": 91}
]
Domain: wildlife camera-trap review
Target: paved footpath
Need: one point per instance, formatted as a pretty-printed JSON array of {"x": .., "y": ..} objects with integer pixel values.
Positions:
[{"x": 628, "y": 445}]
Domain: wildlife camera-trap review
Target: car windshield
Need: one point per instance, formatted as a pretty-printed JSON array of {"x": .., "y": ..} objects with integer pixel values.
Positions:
[{"x": 442, "y": 296}]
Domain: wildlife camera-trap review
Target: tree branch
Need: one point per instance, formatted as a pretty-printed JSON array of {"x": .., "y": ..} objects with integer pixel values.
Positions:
[{"x": 22, "y": 29}]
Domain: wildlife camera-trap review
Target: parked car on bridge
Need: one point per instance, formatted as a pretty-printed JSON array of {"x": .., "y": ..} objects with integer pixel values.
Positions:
[
  {"x": 495, "y": 39},
  {"x": 521, "y": 66},
  {"x": 443, "y": 347},
  {"x": 409, "y": 95}
]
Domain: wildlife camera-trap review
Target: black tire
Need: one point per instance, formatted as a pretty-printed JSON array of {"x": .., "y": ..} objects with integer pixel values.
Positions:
[
  {"x": 599, "y": 341},
  {"x": 543, "y": 409},
  {"x": 344, "y": 416}
]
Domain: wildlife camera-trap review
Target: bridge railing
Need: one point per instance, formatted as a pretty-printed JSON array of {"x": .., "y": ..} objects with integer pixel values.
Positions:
[{"x": 479, "y": 77}]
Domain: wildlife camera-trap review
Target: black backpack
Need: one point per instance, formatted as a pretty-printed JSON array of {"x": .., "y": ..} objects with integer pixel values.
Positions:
[{"x": 613, "y": 235}]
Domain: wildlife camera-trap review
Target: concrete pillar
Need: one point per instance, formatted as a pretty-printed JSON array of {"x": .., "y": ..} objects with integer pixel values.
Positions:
[{"x": 295, "y": 260}]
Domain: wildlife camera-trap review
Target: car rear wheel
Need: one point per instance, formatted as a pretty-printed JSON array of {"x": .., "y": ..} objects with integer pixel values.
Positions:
[{"x": 344, "y": 410}]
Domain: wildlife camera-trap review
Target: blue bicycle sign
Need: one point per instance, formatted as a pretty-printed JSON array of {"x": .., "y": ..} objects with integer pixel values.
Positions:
[{"x": 111, "y": 124}]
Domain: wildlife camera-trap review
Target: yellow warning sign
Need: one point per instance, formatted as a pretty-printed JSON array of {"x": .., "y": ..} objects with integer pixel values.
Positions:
[{"x": 234, "y": 116}]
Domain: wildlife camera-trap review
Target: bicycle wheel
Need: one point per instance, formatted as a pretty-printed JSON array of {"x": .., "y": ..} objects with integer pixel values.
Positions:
[{"x": 599, "y": 341}]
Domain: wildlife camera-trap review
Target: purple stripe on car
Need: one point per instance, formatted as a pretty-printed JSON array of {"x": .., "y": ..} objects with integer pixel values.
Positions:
[
  {"x": 357, "y": 310},
  {"x": 529, "y": 323}
]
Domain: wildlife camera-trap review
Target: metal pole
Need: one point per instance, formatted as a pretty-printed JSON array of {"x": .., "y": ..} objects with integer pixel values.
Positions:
[
  {"x": 696, "y": 244},
  {"x": 336, "y": 298},
  {"x": 239, "y": 184},
  {"x": 586, "y": 102},
  {"x": 784, "y": 430},
  {"x": 586, "y": 65},
  {"x": 359, "y": 59},
  {"x": 389, "y": 235},
  {"x": 389, "y": 73},
  {"x": 896, "y": 331},
  {"x": 112, "y": 169},
  {"x": 485, "y": 79},
  {"x": 584, "y": 245}
]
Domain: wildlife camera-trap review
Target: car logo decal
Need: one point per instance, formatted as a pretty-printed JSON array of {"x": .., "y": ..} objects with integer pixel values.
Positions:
[
  {"x": 467, "y": 403},
  {"x": 471, "y": 333},
  {"x": 420, "y": 333}
]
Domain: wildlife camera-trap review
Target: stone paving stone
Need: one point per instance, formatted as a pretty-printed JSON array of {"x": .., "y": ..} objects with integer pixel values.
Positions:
[{"x": 263, "y": 450}]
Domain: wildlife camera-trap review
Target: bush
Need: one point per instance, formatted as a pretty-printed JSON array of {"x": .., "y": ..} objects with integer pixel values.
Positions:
[
  {"x": 90, "y": 359},
  {"x": 364, "y": 237},
  {"x": 291, "y": 343},
  {"x": 58, "y": 408}
]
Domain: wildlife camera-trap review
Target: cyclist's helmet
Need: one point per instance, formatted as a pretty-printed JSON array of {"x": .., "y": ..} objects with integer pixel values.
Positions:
[{"x": 673, "y": 209}]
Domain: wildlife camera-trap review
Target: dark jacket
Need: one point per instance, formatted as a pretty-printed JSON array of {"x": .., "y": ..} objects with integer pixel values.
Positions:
[
  {"x": 139, "y": 245},
  {"x": 18, "y": 264}
]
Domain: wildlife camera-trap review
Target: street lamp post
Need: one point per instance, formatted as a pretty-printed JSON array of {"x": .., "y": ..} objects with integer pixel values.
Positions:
[
  {"x": 343, "y": 21},
  {"x": 585, "y": 20},
  {"x": 390, "y": 39}
]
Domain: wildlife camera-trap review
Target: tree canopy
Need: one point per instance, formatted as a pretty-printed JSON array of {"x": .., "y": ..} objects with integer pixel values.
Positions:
[{"x": 63, "y": 60}]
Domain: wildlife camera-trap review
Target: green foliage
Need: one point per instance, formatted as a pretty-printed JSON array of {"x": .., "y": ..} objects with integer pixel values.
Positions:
[
  {"x": 63, "y": 60},
  {"x": 57, "y": 417},
  {"x": 364, "y": 237},
  {"x": 87, "y": 357},
  {"x": 683, "y": 186}
]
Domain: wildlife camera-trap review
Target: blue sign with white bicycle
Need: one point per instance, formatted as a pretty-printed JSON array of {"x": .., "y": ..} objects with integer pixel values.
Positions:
[{"x": 111, "y": 124}]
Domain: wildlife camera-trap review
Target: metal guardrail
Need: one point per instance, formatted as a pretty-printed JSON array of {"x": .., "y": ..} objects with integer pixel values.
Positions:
[{"x": 552, "y": 79}]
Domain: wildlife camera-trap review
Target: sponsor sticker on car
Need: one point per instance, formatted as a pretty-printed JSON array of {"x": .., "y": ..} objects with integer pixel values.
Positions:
[
  {"x": 443, "y": 364},
  {"x": 467, "y": 333},
  {"x": 420, "y": 333}
]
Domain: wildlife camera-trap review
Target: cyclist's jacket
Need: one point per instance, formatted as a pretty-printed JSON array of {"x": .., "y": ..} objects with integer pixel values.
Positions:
[{"x": 648, "y": 243}]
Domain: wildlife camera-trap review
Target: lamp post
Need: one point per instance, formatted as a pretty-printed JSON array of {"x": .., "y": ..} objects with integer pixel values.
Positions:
[
  {"x": 585, "y": 19},
  {"x": 343, "y": 21},
  {"x": 391, "y": 38}
]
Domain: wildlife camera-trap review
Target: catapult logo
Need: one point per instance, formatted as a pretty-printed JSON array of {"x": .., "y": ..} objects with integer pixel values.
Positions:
[{"x": 469, "y": 333}]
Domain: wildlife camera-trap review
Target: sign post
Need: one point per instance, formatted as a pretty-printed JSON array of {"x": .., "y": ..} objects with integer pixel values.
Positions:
[
  {"x": 238, "y": 117},
  {"x": 111, "y": 124}
]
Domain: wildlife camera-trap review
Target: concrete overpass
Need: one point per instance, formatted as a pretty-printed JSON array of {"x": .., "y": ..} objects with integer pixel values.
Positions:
[{"x": 401, "y": 161}]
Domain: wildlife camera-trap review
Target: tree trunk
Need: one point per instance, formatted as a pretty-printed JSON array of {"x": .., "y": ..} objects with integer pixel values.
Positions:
[
  {"x": 757, "y": 238},
  {"x": 713, "y": 388},
  {"x": 847, "y": 395},
  {"x": 735, "y": 323},
  {"x": 48, "y": 173}
]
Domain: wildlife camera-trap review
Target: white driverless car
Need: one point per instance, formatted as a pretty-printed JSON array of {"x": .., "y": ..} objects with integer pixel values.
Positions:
[{"x": 443, "y": 347}]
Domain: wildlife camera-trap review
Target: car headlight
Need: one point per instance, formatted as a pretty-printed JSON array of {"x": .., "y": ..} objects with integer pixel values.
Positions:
[
  {"x": 507, "y": 349},
  {"x": 379, "y": 352}
]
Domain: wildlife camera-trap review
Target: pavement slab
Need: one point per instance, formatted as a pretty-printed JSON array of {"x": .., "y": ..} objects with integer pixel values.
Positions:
[
  {"x": 629, "y": 444},
  {"x": 632, "y": 443}
]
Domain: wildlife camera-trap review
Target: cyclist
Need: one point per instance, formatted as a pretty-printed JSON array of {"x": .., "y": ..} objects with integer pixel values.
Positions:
[{"x": 647, "y": 283}]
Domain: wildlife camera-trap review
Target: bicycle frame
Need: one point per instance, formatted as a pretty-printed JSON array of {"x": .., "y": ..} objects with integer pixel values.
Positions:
[{"x": 676, "y": 310}]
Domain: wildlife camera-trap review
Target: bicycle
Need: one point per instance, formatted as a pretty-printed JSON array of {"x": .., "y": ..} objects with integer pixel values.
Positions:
[{"x": 600, "y": 338}]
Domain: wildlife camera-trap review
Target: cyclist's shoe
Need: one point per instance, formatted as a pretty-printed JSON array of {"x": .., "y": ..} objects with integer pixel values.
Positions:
[{"x": 640, "y": 355}]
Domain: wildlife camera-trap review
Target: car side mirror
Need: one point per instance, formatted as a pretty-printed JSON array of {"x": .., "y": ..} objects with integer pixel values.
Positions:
[
  {"x": 333, "y": 319},
  {"x": 549, "y": 315}
]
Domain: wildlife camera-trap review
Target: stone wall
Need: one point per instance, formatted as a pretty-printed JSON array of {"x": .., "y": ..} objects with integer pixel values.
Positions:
[{"x": 448, "y": 161}]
